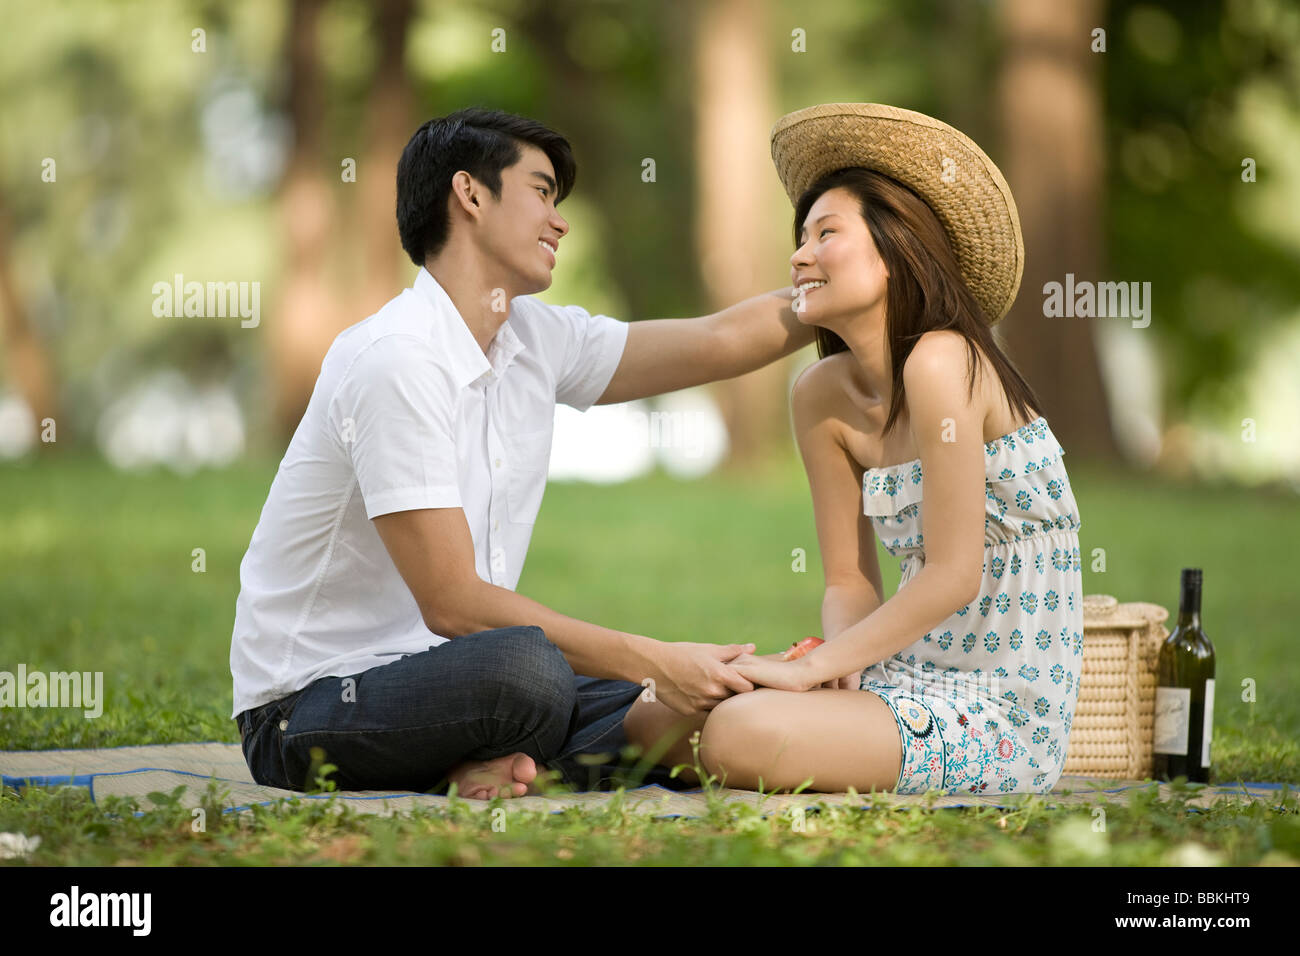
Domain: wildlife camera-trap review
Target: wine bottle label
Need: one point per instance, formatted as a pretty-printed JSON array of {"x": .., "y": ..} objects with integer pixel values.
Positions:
[
  {"x": 1209, "y": 722},
  {"x": 1172, "y": 717}
]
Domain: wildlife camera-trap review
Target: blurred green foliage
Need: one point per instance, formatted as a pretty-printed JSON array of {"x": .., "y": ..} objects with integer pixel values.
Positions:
[
  {"x": 168, "y": 159},
  {"x": 1193, "y": 89}
]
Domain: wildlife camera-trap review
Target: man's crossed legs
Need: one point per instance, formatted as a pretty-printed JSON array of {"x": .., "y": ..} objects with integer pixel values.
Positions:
[{"x": 485, "y": 711}]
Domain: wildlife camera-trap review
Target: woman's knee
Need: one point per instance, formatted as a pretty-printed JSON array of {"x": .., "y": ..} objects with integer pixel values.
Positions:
[{"x": 740, "y": 736}]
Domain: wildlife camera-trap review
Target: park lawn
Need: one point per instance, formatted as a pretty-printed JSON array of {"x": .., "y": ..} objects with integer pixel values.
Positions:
[{"x": 98, "y": 572}]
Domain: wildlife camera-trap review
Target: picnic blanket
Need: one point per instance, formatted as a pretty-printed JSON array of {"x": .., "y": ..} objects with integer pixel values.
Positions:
[{"x": 139, "y": 771}]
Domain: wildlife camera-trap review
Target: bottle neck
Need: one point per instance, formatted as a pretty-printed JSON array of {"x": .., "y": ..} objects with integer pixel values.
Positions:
[{"x": 1189, "y": 601}]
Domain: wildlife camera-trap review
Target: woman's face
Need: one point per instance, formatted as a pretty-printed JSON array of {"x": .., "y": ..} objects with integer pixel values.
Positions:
[{"x": 838, "y": 253}]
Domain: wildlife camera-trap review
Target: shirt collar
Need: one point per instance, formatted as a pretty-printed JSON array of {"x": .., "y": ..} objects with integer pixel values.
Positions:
[
  {"x": 505, "y": 346},
  {"x": 468, "y": 363}
]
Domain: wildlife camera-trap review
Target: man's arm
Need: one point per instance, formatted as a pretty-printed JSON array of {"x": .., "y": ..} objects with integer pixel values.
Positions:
[
  {"x": 434, "y": 553},
  {"x": 663, "y": 355}
]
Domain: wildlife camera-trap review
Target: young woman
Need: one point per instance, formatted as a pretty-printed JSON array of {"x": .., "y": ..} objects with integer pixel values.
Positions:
[{"x": 914, "y": 427}]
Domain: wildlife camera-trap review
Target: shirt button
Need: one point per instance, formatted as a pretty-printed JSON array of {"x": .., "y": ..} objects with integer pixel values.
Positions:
[
  {"x": 498, "y": 462},
  {"x": 284, "y": 725},
  {"x": 496, "y": 525}
]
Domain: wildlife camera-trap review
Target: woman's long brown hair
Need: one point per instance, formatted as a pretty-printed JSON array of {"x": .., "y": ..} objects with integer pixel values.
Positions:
[{"x": 925, "y": 290}]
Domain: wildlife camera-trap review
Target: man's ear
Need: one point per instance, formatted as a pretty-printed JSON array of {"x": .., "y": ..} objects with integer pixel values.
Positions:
[{"x": 465, "y": 190}]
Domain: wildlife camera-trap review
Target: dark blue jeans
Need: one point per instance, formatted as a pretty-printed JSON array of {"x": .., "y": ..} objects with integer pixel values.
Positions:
[{"x": 405, "y": 725}]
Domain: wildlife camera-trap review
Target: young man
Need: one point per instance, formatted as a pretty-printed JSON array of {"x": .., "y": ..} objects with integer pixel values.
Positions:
[{"x": 377, "y": 627}]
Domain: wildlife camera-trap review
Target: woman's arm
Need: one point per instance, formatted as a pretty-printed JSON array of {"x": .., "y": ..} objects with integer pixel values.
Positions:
[
  {"x": 845, "y": 535},
  {"x": 948, "y": 428}
]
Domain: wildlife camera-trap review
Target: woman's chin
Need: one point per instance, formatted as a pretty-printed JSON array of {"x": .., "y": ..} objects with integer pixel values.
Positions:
[
  {"x": 813, "y": 320},
  {"x": 804, "y": 315},
  {"x": 812, "y": 311}
]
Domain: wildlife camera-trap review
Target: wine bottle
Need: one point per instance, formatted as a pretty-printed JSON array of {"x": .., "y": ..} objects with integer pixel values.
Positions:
[{"x": 1184, "y": 711}]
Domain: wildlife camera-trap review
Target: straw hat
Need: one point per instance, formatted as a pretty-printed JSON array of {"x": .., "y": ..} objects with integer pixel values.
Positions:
[{"x": 940, "y": 164}]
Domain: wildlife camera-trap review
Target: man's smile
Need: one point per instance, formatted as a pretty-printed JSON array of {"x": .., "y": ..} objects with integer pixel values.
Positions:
[{"x": 551, "y": 246}]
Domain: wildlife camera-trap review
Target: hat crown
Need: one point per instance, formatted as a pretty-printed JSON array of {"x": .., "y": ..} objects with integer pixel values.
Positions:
[{"x": 944, "y": 167}]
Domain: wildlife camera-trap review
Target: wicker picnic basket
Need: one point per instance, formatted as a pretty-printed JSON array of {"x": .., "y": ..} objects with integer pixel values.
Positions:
[{"x": 1113, "y": 720}]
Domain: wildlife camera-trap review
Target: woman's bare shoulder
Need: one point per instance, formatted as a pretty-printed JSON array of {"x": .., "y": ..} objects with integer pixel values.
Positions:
[
  {"x": 946, "y": 356},
  {"x": 825, "y": 387},
  {"x": 938, "y": 352},
  {"x": 829, "y": 400}
]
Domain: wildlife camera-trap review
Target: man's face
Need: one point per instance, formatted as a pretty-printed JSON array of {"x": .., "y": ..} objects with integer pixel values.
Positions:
[{"x": 522, "y": 231}]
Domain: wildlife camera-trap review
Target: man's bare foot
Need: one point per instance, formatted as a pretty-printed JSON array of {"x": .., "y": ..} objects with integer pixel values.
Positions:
[{"x": 508, "y": 776}]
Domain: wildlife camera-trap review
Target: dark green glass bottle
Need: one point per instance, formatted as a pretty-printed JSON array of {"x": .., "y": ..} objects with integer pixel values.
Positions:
[{"x": 1184, "y": 713}]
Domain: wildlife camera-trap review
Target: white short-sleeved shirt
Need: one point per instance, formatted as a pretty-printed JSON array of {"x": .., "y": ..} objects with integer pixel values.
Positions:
[{"x": 407, "y": 413}]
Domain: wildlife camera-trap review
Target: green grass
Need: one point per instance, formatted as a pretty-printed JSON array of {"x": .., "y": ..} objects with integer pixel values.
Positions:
[
  {"x": 1149, "y": 832},
  {"x": 96, "y": 574}
]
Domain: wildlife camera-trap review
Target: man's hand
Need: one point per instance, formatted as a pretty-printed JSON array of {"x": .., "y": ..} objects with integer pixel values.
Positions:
[
  {"x": 697, "y": 677},
  {"x": 434, "y": 553}
]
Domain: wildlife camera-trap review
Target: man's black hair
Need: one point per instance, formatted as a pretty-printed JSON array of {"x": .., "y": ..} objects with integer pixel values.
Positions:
[{"x": 482, "y": 142}]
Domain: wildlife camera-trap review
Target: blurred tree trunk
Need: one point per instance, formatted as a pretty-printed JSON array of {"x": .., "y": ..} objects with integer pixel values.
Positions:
[
  {"x": 389, "y": 108},
  {"x": 27, "y": 361},
  {"x": 612, "y": 130},
  {"x": 1049, "y": 100},
  {"x": 306, "y": 316},
  {"x": 330, "y": 282},
  {"x": 739, "y": 250}
]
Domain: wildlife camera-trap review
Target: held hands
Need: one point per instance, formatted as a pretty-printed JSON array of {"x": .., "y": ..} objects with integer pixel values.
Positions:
[
  {"x": 780, "y": 671},
  {"x": 690, "y": 678},
  {"x": 773, "y": 670},
  {"x": 847, "y": 682},
  {"x": 697, "y": 677},
  {"x": 791, "y": 670}
]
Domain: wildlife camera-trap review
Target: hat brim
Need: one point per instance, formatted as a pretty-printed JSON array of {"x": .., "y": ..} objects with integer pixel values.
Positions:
[{"x": 942, "y": 165}]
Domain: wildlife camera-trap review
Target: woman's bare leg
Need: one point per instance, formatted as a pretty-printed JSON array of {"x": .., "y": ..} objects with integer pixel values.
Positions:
[
  {"x": 839, "y": 738},
  {"x": 663, "y": 735}
]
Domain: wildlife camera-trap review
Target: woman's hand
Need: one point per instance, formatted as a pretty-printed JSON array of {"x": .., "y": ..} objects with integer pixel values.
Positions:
[
  {"x": 800, "y": 648},
  {"x": 771, "y": 670},
  {"x": 849, "y": 682}
]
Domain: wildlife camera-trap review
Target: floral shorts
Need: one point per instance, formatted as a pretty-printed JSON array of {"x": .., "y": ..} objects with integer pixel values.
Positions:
[{"x": 957, "y": 745}]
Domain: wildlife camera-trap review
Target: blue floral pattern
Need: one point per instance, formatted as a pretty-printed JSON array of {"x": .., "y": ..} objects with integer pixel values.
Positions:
[{"x": 990, "y": 711}]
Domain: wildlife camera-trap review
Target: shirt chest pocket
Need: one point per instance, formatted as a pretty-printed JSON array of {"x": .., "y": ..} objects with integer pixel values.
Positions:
[{"x": 530, "y": 456}]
